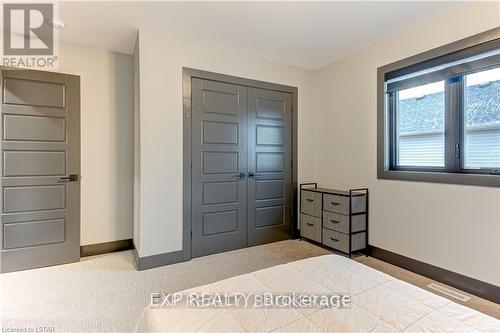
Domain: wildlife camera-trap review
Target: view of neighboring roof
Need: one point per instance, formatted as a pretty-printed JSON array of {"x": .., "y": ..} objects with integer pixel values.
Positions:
[{"x": 426, "y": 113}]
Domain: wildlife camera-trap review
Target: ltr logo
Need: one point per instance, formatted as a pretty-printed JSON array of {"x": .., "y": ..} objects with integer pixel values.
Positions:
[{"x": 27, "y": 29}]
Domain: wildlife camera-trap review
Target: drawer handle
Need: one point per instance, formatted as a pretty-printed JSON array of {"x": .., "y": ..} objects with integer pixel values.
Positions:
[
  {"x": 333, "y": 221},
  {"x": 334, "y": 239},
  {"x": 310, "y": 200},
  {"x": 334, "y": 203},
  {"x": 310, "y": 224}
]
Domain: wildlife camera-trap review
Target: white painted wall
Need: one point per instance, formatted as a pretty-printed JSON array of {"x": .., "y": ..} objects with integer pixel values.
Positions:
[
  {"x": 450, "y": 226},
  {"x": 161, "y": 62},
  {"x": 106, "y": 140}
]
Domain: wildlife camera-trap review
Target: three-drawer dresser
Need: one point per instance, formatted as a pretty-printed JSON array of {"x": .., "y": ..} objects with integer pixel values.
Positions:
[{"x": 335, "y": 218}]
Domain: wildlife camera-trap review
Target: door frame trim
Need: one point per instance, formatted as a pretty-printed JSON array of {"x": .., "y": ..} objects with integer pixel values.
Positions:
[{"x": 187, "y": 75}]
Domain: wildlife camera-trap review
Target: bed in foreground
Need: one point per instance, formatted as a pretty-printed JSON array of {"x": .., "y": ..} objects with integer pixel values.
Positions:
[{"x": 379, "y": 303}]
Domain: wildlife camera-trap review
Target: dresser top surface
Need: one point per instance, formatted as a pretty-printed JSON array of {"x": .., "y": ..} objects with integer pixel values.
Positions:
[{"x": 332, "y": 191}]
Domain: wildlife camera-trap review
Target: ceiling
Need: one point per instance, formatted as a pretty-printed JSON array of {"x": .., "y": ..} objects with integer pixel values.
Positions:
[{"x": 305, "y": 34}]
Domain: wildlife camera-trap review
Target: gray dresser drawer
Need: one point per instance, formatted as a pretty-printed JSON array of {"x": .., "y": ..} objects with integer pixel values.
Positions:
[
  {"x": 337, "y": 240},
  {"x": 358, "y": 241},
  {"x": 310, "y": 227},
  {"x": 336, "y": 203},
  {"x": 340, "y": 204},
  {"x": 336, "y": 222},
  {"x": 359, "y": 204},
  {"x": 340, "y": 241},
  {"x": 339, "y": 222},
  {"x": 310, "y": 203}
]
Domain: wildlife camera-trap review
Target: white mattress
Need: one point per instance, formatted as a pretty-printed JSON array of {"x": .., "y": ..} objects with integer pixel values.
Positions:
[{"x": 380, "y": 303}]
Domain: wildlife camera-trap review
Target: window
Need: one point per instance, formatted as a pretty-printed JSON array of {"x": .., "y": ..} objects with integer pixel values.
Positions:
[
  {"x": 420, "y": 126},
  {"x": 482, "y": 120},
  {"x": 418, "y": 113},
  {"x": 439, "y": 117}
]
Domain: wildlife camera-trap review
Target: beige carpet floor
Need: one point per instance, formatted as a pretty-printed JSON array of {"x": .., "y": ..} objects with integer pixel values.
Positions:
[{"x": 105, "y": 293}]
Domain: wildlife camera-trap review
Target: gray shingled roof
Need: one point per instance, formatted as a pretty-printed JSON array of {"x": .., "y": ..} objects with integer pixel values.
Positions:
[{"x": 426, "y": 113}]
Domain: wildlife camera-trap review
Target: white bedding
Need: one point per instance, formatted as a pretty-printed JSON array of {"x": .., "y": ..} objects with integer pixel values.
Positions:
[{"x": 380, "y": 303}]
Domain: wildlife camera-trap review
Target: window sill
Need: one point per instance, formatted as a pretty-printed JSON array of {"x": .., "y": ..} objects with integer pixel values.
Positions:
[{"x": 441, "y": 177}]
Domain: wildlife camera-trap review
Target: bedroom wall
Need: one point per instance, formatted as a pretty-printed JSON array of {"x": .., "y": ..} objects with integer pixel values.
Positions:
[
  {"x": 450, "y": 226},
  {"x": 161, "y": 126},
  {"x": 106, "y": 140}
]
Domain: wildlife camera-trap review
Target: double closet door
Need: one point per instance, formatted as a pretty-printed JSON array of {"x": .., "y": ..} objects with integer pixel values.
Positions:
[{"x": 241, "y": 166}]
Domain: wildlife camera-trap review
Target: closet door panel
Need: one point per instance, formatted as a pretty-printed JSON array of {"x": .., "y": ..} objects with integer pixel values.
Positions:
[
  {"x": 219, "y": 118},
  {"x": 269, "y": 147}
]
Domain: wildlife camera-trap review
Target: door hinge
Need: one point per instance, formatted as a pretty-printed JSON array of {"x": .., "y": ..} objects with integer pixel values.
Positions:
[
  {"x": 291, "y": 164},
  {"x": 457, "y": 150},
  {"x": 191, "y": 234}
]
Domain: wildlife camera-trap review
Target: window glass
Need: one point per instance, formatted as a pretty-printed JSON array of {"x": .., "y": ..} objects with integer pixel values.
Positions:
[
  {"x": 482, "y": 120},
  {"x": 420, "y": 126}
]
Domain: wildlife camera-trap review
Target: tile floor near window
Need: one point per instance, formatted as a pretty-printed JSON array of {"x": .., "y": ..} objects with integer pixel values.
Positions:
[{"x": 106, "y": 293}]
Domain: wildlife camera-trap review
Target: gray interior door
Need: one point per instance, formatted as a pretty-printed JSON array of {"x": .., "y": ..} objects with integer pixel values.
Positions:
[
  {"x": 219, "y": 112},
  {"x": 269, "y": 165},
  {"x": 40, "y": 149}
]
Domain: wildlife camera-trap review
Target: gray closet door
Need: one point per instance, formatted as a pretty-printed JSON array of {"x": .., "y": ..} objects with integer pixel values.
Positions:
[
  {"x": 219, "y": 113},
  {"x": 269, "y": 165},
  {"x": 40, "y": 214}
]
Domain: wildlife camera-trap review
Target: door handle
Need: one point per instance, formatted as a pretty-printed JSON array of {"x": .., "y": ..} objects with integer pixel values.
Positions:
[
  {"x": 70, "y": 178},
  {"x": 240, "y": 175},
  {"x": 253, "y": 175}
]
